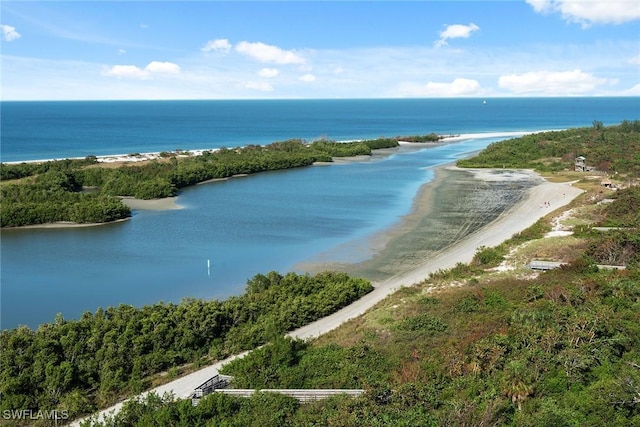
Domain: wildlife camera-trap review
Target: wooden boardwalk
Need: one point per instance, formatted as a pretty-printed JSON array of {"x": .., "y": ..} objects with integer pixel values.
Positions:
[
  {"x": 219, "y": 384},
  {"x": 545, "y": 265},
  {"x": 303, "y": 395}
]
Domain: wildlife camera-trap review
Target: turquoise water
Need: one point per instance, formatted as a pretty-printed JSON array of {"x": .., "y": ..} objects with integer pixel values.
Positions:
[
  {"x": 243, "y": 226},
  {"x": 43, "y": 130}
]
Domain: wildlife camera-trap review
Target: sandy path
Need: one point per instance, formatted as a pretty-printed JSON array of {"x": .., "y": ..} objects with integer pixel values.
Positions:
[{"x": 518, "y": 218}]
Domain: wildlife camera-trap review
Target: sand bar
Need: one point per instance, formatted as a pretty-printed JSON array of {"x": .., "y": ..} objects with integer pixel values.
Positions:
[
  {"x": 65, "y": 224},
  {"x": 167, "y": 203},
  {"x": 521, "y": 216}
]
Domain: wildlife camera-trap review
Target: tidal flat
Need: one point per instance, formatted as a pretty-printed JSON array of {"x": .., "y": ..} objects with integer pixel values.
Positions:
[{"x": 451, "y": 207}]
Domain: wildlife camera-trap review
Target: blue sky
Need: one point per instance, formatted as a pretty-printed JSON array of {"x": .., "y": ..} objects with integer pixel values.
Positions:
[{"x": 77, "y": 50}]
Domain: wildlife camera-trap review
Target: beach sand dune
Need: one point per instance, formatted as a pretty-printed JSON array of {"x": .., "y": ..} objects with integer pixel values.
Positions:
[{"x": 539, "y": 200}]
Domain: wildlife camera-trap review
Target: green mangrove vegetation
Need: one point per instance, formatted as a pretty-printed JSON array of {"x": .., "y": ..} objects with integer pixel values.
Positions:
[
  {"x": 85, "y": 364},
  {"x": 40, "y": 193},
  {"x": 432, "y": 137}
]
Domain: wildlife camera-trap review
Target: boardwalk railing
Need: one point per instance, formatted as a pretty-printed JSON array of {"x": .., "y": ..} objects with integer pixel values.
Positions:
[
  {"x": 214, "y": 383},
  {"x": 219, "y": 384},
  {"x": 303, "y": 395}
]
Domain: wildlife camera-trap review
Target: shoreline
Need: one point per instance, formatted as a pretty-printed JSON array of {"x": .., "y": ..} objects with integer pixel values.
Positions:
[
  {"x": 165, "y": 204},
  {"x": 517, "y": 218},
  {"x": 445, "y": 210},
  {"x": 156, "y": 155},
  {"x": 168, "y": 203},
  {"x": 63, "y": 224}
]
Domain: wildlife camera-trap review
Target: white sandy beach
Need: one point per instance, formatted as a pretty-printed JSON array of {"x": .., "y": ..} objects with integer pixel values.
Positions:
[
  {"x": 464, "y": 136},
  {"x": 518, "y": 218}
]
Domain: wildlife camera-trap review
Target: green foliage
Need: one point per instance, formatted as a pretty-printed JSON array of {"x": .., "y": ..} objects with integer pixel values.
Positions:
[
  {"x": 489, "y": 257},
  {"x": 288, "y": 363},
  {"x": 378, "y": 143},
  {"x": 536, "y": 231},
  {"x": 460, "y": 271},
  {"x": 608, "y": 148},
  {"x": 615, "y": 247},
  {"x": 9, "y": 171},
  {"x": 339, "y": 149},
  {"x": 624, "y": 212},
  {"x": 52, "y": 197},
  {"x": 90, "y": 362},
  {"x": 432, "y": 137},
  {"x": 216, "y": 409},
  {"x": 423, "y": 323}
]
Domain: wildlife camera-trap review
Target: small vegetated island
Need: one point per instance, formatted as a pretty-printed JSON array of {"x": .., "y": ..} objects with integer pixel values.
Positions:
[
  {"x": 57, "y": 191},
  {"x": 557, "y": 348}
]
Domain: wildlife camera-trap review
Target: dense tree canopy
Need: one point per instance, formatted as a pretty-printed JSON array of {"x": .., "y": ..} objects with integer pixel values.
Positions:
[{"x": 81, "y": 365}]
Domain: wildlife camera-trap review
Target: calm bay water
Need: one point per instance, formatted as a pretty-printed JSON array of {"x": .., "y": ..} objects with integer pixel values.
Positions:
[{"x": 244, "y": 226}]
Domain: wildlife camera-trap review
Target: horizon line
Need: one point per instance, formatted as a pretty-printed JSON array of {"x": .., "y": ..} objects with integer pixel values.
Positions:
[{"x": 325, "y": 99}]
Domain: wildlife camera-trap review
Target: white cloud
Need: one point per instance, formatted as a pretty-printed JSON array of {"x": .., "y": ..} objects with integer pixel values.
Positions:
[
  {"x": 587, "y": 12},
  {"x": 380, "y": 72},
  {"x": 456, "y": 31},
  {"x": 9, "y": 33},
  {"x": 260, "y": 86},
  {"x": 458, "y": 87},
  {"x": 635, "y": 60},
  {"x": 309, "y": 78},
  {"x": 634, "y": 91},
  {"x": 575, "y": 82},
  {"x": 219, "y": 45},
  {"x": 121, "y": 51},
  {"x": 163, "y": 67},
  {"x": 267, "y": 53},
  {"x": 540, "y": 6},
  {"x": 127, "y": 71},
  {"x": 134, "y": 72},
  {"x": 269, "y": 72}
]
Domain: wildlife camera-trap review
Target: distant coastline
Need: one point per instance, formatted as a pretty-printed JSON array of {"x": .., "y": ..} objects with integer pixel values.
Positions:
[
  {"x": 159, "y": 155},
  {"x": 36, "y": 130}
]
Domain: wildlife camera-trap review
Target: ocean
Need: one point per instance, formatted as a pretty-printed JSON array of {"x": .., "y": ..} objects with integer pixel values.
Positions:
[{"x": 229, "y": 231}]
